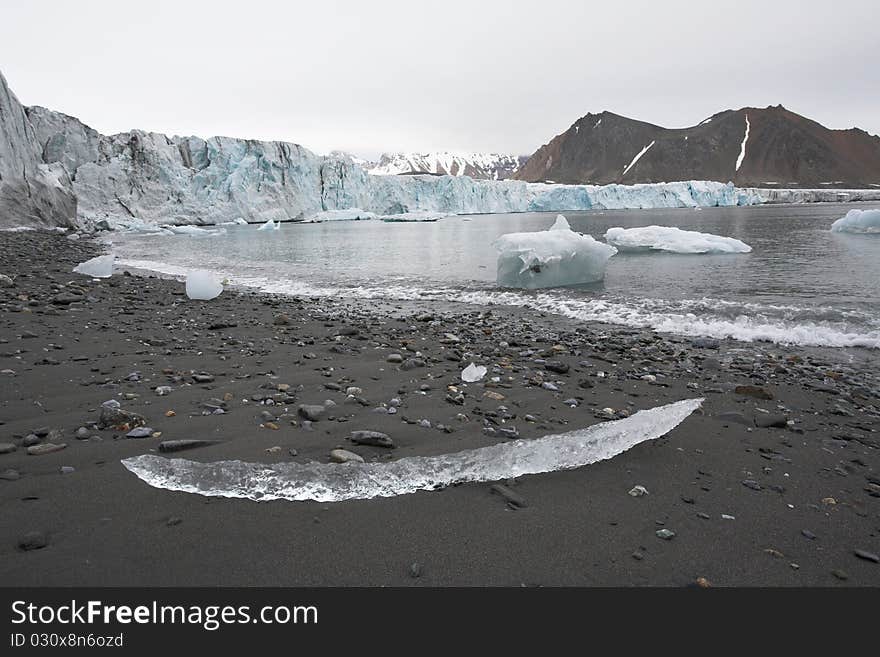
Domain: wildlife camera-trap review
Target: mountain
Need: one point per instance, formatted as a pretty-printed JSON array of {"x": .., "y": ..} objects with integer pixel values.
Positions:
[
  {"x": 752, "y": 147},
  {"x": 481, "y": 166}
]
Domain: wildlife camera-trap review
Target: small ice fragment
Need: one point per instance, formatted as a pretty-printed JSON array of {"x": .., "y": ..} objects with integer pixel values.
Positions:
[
  {"x": 859, "y": 222},
  {"x": 473, "y": 373},
  {"x": 270, "y": 225},
  {"x": 672, "y": 240},
  {"x": 100, "y": 267},
  {"x": 202, "y": 285}
]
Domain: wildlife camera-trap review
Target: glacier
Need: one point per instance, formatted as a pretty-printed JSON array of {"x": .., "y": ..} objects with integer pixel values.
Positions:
[
  {"x": 335, "y": 482},
  {"x": 57, "y": 171},
  {"x": 551, "y": 258},
  {"x": 858, "y": 221},
  {"x": 671, "y": 240}
]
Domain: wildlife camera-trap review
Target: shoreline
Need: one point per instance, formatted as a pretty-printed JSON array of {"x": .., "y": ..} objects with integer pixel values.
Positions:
[{"x": 123, "y": 337}]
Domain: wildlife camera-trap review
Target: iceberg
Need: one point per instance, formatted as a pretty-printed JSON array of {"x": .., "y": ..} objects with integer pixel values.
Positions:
[
  {"x": 270, "y": 225},
  {"x": 551, "y": 258},
  {"x": 202, "y": 285},
  {"x": 354, "y": 214},
  {"x": 672, "y": 240},
  {"x": 99, "y": 267},
  {"x": 335, "y": 482},
  {"x": 414, "y": 217},
  {"x": 473, "y": 373},
  {"x": 858, "y": 221}
]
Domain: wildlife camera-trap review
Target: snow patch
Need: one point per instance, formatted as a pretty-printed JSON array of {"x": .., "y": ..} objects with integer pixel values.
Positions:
[
  {"x": 742, "y": 146},
  {"x": 636, "y": 158}
]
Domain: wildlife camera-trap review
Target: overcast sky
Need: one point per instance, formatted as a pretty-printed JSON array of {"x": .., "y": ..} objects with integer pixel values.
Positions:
[{"x": 478, "y": 75}]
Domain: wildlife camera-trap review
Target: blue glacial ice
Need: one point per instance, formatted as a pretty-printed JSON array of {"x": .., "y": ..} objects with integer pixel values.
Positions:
[
  {"x": 335, "y": 482},
  {"x": 672, "y": 240},
  {"x": 858, "y": 221},
  {"x": 550, "y": 258}
]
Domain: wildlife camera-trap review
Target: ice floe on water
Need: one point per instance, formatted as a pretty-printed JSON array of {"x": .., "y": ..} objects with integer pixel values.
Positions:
[
  {"x": 550, "y": 258},
  {"x": 98, "y": 267},
  {"x": 858, "y": 221},
  {"x": 672, "y": 240},
  {"x": 335, "y": 482},
  {"x": 203, "y": 285},
  {"x": 352, "y": 214},
  {"x": 270, "y": 225}
]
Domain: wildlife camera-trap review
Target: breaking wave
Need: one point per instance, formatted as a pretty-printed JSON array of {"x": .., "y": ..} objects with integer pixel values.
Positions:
[{"x": 714, "y": 318}]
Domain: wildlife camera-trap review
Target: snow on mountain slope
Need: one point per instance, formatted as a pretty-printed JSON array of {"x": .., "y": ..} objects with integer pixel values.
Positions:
[{"x": 481, "y": 166}]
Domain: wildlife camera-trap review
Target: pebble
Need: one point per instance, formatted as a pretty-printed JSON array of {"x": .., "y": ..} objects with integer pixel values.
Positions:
[
  {"x": 33, "y": 541},
  {"x": 513, "y": 498},
  {"x": 345, "y": 456},
  {"x": 179, "y": 445},
  {"x": 665, "y": 534},
  {"x": 394, "y": 358},
  {"x": 771, "y": 420},
  {"x": 374, "y": 438},
  {"x": 45, "y": 448},
  {"x": 867, "y": 556},
  {"x": 6, "y": 448},
  {"x": 140, "y": 432},
  {"x": 311, "y": 412}
]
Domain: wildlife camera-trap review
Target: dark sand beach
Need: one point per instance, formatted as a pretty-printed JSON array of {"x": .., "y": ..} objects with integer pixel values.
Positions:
[{"x": 792, "y": 504}]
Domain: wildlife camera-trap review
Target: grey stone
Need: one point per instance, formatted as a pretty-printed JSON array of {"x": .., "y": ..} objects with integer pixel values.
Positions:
[
  {"x": 374, "y": 438},
  {"x": 311, "y": 412}
]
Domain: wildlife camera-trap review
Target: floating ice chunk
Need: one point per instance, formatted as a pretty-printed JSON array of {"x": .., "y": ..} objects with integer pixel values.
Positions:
[
  {"x": 334, "y": 482},
  {"x": 202, "y": 285},
  {"x": 100, "y": 267},
  {"x": 352, "y": 214},
  {"x": 858, "y": 221},
  {"x": 414, "y": 216},
  {"x": 270, "y": 225},
  {"x": 473, "y": 373},
  {"x": 672, "y": 240},
  {"x": 241, "y": 221},
  {"x": 550, "y": 258},
  {"x": 195, "y": 231}
]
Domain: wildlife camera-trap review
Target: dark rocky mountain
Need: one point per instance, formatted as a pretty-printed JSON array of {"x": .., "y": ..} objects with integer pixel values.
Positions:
[{"x": 781, "y": 149}]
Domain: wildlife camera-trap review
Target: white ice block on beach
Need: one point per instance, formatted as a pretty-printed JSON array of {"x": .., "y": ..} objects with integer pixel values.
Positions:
[
  {"x": 334, "y": 482},
  {"x": 203, "y": 285},
  {"x": 99, "y": 267},
  {"x": 672, "y": 240},
  {"x": 551, "y": 258},
  {"x": 858, "y": 221},
  {"x": 473, "y": 373}
]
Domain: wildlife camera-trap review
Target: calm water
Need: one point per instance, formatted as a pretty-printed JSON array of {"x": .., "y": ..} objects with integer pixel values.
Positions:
[{"x": 801, "y": 284}]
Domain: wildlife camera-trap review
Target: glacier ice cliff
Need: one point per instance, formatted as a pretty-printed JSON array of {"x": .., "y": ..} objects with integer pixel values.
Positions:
[
  {"x": 32, "y": 192},
  {"x": 57, "y": 171},
  {"x": 334, "y": 482}
]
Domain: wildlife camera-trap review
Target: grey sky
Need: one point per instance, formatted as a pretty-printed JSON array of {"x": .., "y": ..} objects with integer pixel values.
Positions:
[{"x": 473, "y": 75}]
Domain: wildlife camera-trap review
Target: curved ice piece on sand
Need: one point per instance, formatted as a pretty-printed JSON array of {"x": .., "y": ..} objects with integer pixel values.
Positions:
[
  {"x": 550, "y": 258},
  {"x": 99, "y": 267},
  {"x": 672, "y": 240},
  {"x": 334, "y": 482},
  {"x": 858, "y": 221}
]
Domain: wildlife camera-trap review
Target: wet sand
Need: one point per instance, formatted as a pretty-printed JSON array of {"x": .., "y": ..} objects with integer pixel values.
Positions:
[{"x": 793, "y": 504}]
